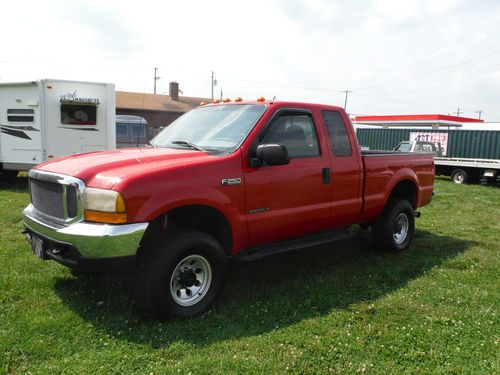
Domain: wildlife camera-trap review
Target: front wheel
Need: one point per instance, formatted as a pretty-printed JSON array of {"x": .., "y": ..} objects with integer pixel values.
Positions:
[
  {"x": 180, "y": 274},
  {"x": 393, "y": 230}
]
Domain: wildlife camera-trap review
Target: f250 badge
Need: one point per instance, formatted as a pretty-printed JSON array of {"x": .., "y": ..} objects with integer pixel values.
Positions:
[{"x": 231, "y": 181}]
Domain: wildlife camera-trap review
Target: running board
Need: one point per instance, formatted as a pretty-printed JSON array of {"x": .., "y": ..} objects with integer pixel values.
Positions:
[{"x": 295, "y": 244}]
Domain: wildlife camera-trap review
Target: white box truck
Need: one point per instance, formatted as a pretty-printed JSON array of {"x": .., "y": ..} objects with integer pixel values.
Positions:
[{"x": 46, "y": 119}]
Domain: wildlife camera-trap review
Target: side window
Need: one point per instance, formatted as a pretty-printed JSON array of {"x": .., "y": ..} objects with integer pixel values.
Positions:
[
  {"x": 138, "y": 131},
  {"x": 21, "y": 115},
  {"x": 296, "y": 133},
  {"x": 337, "y": 132},
  {"x": 121, "y": 130},
  {"x": 78, "y": 114}
]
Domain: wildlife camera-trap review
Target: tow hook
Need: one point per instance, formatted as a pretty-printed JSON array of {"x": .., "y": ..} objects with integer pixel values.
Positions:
[
  {"x": 417, "y": 213},
  {"x": 26, "y": 234}
]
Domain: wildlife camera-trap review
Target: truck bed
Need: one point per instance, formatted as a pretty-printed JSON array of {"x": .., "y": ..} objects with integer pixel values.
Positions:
[{"x": 385, "y": 169}]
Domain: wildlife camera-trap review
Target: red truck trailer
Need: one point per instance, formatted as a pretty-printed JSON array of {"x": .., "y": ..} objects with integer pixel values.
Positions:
[{"x": 238, "y": 179}]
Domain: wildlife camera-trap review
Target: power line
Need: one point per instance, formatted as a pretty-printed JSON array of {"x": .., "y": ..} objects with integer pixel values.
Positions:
[
  {"x": 330, "y": 91},
  {"x": 431, "y": 71},
  {"x": 401, "y": 101},
  {"x": 284, "y": 85}
]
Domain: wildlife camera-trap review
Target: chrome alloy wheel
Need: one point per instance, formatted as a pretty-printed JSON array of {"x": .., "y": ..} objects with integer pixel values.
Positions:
[
  {"x": 401, "y": 228},
  {"x": 190, "y": 280}
]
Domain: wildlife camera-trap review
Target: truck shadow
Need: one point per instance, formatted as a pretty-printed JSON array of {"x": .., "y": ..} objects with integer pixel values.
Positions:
[{"x": 266, "y": 295}]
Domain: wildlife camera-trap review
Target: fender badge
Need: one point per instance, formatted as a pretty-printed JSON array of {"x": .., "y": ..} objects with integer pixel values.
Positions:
[{"x": 231, "y": 181}]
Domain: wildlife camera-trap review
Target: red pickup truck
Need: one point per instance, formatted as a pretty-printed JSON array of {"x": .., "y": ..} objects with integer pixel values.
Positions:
[{"x": 234, "y": 179}]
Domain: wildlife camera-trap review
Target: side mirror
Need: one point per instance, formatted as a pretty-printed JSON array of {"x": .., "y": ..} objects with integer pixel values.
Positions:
[{"x": 270, "y": 154}]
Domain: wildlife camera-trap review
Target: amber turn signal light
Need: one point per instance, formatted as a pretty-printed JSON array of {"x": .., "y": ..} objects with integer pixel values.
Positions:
[{"x": 105, "y": 217}]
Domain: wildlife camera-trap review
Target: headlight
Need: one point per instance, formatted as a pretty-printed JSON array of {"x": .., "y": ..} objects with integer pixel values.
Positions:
[{"x": 104, "y": 206}]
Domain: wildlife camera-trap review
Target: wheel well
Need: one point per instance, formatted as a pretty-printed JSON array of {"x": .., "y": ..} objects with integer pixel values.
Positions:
[
  {"x": 405, "y": 190},
  {"x": 204, "y": 218}
]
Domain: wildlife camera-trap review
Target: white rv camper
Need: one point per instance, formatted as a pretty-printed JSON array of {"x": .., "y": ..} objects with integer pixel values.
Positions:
[{"x": 47, "y": 119}]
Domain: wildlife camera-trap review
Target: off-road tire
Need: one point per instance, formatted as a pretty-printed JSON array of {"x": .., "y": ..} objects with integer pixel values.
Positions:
[
  {"x": 385, "y": 228},
  {"x": 157, "y": 263}
]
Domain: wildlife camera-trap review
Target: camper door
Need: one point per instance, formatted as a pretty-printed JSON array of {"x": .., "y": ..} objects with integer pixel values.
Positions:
[{"x": 21, "y": 138}]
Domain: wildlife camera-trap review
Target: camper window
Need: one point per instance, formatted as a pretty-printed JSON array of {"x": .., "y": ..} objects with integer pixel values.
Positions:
[
  {"x": 74, "y": 114},
  {"x": 21, "y": 115}
]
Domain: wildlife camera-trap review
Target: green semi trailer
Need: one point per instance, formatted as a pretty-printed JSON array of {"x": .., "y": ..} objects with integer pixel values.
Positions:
[{"x": 464, "y": 155}]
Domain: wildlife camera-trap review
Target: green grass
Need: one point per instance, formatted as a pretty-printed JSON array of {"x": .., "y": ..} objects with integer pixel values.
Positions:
[{"x": 340, "y": 308}]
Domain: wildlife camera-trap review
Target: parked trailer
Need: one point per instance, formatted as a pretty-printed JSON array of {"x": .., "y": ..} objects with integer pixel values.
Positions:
[
  {"x": 467, "y": 155},
  {"x": 47, "y": 119}
]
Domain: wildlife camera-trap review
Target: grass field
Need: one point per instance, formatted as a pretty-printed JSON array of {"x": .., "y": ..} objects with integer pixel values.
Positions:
[{"x": 340, "y": 308}]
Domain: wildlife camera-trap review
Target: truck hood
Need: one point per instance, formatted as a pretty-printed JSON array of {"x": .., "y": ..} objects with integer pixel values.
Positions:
[{"x": 104, "y": 169}]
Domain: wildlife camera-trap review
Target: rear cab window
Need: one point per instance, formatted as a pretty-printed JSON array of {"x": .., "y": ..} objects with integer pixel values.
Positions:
[
  {"x": 404, "y": 147},
  {"x": 337, "y": 133}
]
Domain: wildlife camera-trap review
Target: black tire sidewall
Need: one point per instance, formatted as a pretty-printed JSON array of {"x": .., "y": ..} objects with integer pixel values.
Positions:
[
  {"x": 383, "y": 228},
  {"x": 456, "y": 172},
  {"x": 159, "y": 267},
  {"x": 403, "y": 207}
]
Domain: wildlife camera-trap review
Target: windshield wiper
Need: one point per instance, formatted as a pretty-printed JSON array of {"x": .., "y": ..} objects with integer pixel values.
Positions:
[
  {"x": 188, "y": 144},
  {"x": 151, "y": 144}
]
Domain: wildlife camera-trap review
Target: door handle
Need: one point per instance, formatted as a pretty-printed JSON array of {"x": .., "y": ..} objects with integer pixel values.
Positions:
[{"x": 326, "y": 175}]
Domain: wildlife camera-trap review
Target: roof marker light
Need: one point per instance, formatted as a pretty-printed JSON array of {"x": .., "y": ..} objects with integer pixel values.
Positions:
[
  {"x": 203, "y": 103},
  {"x": 226, "y": 100},
  {"x": 216, "y": 101},
  {"x": 238, "y": 99},
  {"x": 261, "y": 99}
]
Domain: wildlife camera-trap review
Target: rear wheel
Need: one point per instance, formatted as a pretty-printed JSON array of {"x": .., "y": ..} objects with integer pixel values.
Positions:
[
  {"x": 459, "y": 176},
  {"x": 393, "y": 230},
  {"x": 180, "y": 274}
]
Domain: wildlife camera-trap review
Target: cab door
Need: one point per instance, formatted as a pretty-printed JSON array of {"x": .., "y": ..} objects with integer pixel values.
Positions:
[
  {"x": 346, "y": 169},
  {"x": 292, "y": 200}
]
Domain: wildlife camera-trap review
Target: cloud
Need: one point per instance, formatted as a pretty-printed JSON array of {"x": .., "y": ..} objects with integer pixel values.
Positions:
[
  {"x": 294, "y": 49},
  {"x": 102, "y": 25}
]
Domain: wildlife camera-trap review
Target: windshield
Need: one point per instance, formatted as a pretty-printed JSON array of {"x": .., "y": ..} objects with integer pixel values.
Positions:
[{"x": 219, "y": 128}]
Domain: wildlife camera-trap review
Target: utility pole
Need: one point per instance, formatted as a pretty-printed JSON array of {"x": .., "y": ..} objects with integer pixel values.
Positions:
[
  {"x": 214, "y": 83},
  {"x": 156, "y": 79},
  {"x": 479, "y": 112},
  {"x": 345, "y": 101},
  {"x": 458, "y": 112}
]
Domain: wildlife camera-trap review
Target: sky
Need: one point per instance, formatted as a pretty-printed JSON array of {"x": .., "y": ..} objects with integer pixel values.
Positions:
[{"x": 393, "y": 56}]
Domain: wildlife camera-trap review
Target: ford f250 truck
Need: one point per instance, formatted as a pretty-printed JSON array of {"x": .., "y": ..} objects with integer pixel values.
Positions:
[{"x": 233, "y": 179}]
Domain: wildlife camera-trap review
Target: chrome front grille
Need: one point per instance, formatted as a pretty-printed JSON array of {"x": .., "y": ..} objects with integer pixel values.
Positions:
[
  {"x": 47, "y": 198},
  {"x": 56, "y": 197}
]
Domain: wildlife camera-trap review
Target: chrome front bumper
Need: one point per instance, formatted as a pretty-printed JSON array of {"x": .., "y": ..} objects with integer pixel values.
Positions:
[{"x": 91, "y": 240}]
